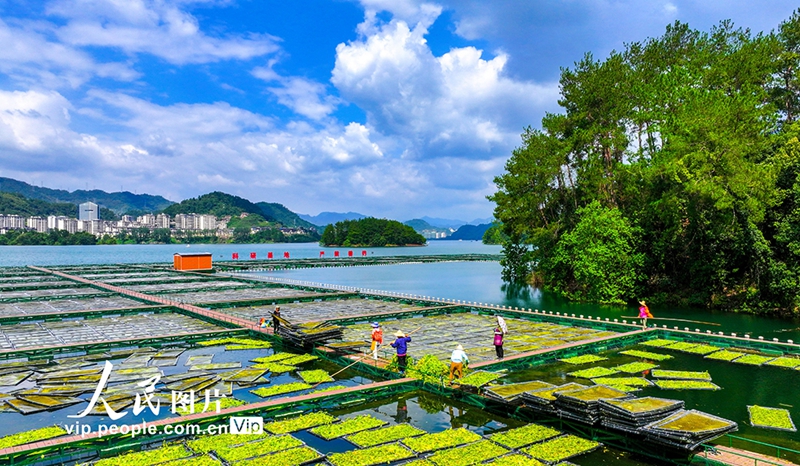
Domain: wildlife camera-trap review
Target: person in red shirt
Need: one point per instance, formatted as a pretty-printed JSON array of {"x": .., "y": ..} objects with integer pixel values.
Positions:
[{"x": 377, "y": 339}]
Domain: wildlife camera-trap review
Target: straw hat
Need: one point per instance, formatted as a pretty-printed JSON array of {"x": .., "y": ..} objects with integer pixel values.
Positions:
[
  {"x": 399, "y": 334},
  {"x": 460, "y": 348},
  {"x": 642, "y": 303}
]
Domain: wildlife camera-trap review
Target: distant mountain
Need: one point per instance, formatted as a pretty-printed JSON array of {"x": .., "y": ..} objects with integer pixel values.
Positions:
[
  {"x": 218, "y": 204},
  {"x": 327, "y": 218},
  {"x": 470, "y": 232},
  {"x": 14, "y": 204},
  {"x": 119, "y": 202},
  {"x": 285, "y": 216},
  {"x": 443, "y": 222},
  {"x": 420, "y": 225}
]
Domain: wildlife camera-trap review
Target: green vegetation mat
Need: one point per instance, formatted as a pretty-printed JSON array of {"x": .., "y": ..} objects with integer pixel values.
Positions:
[
  {"x": 725, "y": 355},
  {"x": 771, "y": 418},
  {"x": 303, "y": 422},
  {"x": 300, "y": 455},
  {"x": 634, "y": 367},
  {"x": 298, "y": 359},
  {"x": 159, "y": 455},
  {"x": 384, "y": 435},
  {"x": 30, "y": 436},
  {"x": 419, "y": 463},
  {"x": 439, "y": 440},
  {"x": 683, "y": 346},
  {"x": 275, "y": 367},
  {"x": 561, "y": 448},
  {"x": 659, "y": 343},
  {"x": 753, "y": 359},
  {"x": 274, "y": 357},
  {"x": 647, "y": 355},
  {"x": 593, "y": 372},
  {"x": 522, "y": 436},
  {"x": 584, "y": 359},
  {"x": 328, "y": 389},
  {"x": 258, "y": 448},
  {"x": 265, "y": 392},
  {"x": 348, "y": 426},
  {"x": 702, "y": 349},
  {"x": 789, "y": 363},
  {"x": 370, "y": 456},
  {"x": 473, "y": 453},
  {"x": 203, "y": 460},
  {"x": 627, "y": 381},
  {"x": 212, "y": 442},
  {"x": 686, "y": 385},
  {"x": 237, "y": 343},
  {"x": 515, "y": 459},
  {"x": 687, "y": 375},
  {"x": 479, "y": 378},
  {"x": 226, "y": 402},
  {"x": 315, "y": 376}
]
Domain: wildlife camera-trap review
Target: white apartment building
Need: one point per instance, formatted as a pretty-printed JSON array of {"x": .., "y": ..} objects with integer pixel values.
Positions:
[
  {"x": 12, "y": 222},
  {"x": 162, "y": 221},
  {"x": 146, "y": 219},
  {"x": 206, "y": 222},
  {"x": 185, "y": 222},
  {"x": 37, "y": 223},
  {"x": 88, "y": 211},
  {"x": 66, "y": 223}
]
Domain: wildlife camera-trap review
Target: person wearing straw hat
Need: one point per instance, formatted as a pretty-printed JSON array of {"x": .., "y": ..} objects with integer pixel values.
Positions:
[
  {"x": 377, "y": 339},
  {"x": 457, "y": 361},
  {"x": 401, "y": 345},
  {"x": 644, "y": 313}
]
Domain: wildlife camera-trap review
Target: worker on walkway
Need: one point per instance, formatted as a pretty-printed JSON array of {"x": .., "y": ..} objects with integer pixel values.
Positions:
[
  {"x": 276, "y": 322},
  {"x": 401, "y": 345},
  {"x": 498, "y": 342},
  {"x": 644, "y": 313},
  {"x": 457, "y": 361},
  {"x": 377, "y": 339}
]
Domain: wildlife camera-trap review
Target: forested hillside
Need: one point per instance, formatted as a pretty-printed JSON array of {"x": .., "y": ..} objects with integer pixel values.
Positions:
[{"x": 671, "y": 173}]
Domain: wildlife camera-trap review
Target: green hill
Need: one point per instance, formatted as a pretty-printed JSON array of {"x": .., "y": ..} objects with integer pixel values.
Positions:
[
  {"x": 283, "y": 215},
  {"x": 216, "y": 203},
  {"x": 119, "y": 202},
  {"x": 419, "y": 225},
  {"x": 15, "y": 204}
]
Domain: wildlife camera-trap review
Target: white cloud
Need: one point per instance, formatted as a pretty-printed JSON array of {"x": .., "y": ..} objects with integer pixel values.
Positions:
[
  {"x": 155, "y": 27},
  {"x": 457, "y": 103},
  {"x": 305, "y": 97}
]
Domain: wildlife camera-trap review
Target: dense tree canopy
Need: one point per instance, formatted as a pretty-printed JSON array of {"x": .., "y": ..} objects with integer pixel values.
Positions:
[
  {"x": 370, "y": 232},
  {"x": 672, "y": 173}
]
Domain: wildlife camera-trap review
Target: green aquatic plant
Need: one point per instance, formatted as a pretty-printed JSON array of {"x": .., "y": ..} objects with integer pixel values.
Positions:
[
  {"x": 659, "y": 343},
  {"x": 226, "y": 402},
  {"x": 428, "y": 369},
  {"x": 593, "y": 372},
  {"x": 687, "y": 375},
  {"x": 303, "y": 422},
  {"x": 473, "y": 453},
  {"x": 522, "y": 436},
  {"x": 628, "y": 381},
  {"x": 725, "y": 355},
  {"x": 561, "y": 448},
  {"x": 159, "y": 455},
  {"x": 634, "y": 367},
  {"x": 384, "y": 435},
  {"x": 479, "y": 378},
  {"x": 383, "y": 454},
  {"x": 686, "y": 385},
  {"x": 584, "y": 359},
  {"x": 293, "y": 457},
  {"x": 298, "y": 359},
  {"x": 328, "y": 389},
  {"x": 274, "y": 357},
  {"x": 515, "y": 459},
  {"x": 348, "y": 426},
  {"x": 275, "y": 367},
  {"x": 207, "y": 443},
  {"x": 647, "y": 355},
  {"x": 771, "y": 418},
  {"x": 702, "y": 349},
  {"x": 258, "y": 448},
  {"x": 31, "y": 436},
  {"x": 202, "y": 460},
  {"x": 789, "y": 363},
  {"x": 445, "y": 439},
  {"x": 753, "y": 359},
  {"x": 315, "y": 376},
  {"x": 265, "y": 392}
]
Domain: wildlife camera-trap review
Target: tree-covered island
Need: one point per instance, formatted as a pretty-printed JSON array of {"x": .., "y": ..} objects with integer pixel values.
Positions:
[{"x": 370, "y": 232}]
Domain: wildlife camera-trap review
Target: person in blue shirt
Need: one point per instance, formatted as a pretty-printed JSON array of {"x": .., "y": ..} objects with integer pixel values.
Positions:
[
  {"x": 401, "y": 345},
  {"x": 457, "y": 361}
]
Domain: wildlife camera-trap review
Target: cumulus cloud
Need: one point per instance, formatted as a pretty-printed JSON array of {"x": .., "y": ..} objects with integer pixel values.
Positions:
[
  {"x": 155, "y": 27},
  {"x": 457, "y": 104}
]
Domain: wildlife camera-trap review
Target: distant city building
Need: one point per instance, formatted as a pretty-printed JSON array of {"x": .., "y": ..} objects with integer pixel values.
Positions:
[
  {"x": 12, "y": 222},
  {"x": 184, "y": 222},
  {"x": 206, "y": 222},
  {"x": 147, "y": 219},
  {"x": 37, "y": 223},
  {"x": 162, "y": 221},
  {"x": 68, "y": 224},
  {"x": 88, "y": 211}
]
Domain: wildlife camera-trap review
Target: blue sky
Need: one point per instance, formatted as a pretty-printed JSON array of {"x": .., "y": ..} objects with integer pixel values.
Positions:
[{"x": 395, "y": 108}]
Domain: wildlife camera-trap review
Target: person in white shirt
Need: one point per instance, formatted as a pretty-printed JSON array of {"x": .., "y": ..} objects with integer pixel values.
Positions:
[{"x": 457, "y": 361}]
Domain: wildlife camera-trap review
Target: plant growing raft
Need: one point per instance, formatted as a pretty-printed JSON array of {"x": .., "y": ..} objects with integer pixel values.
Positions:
[{"x": 771, "y": 418}]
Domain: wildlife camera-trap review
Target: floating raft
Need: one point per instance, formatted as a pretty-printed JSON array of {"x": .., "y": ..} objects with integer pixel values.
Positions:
[
  {"x": 584, "y": 404},
  {"x": 631, "y": 415},
  {"x": 687, "y": 429}
]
